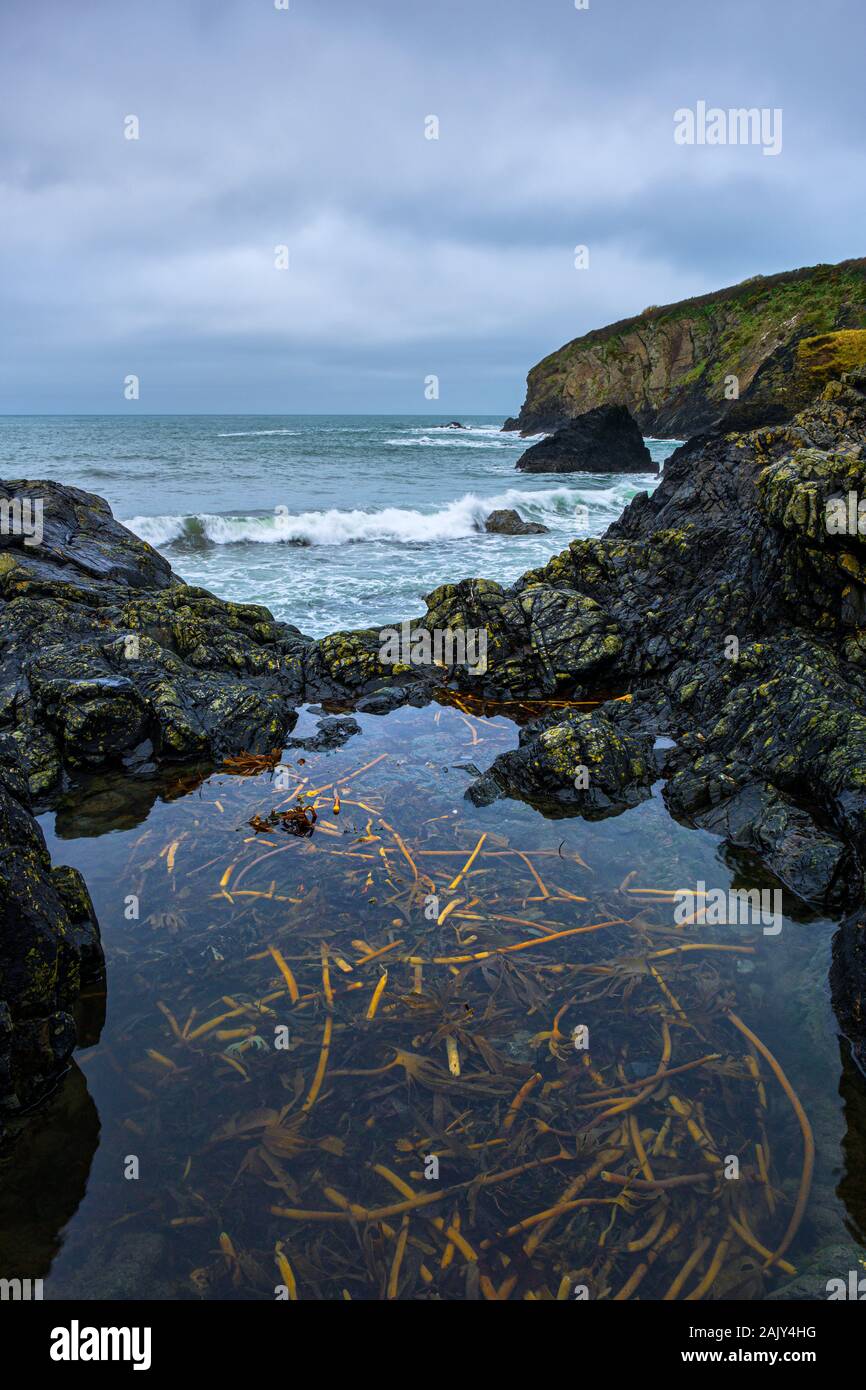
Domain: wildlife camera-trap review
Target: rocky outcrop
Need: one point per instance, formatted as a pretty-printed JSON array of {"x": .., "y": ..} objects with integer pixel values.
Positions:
[
  {"x": 108, "y": 658},
  {"x": 579, "y": 762},
  {"x": 604, "y": 440},
  {"x": 754, "y": 349},
  {"x": 508, "y": 522}
]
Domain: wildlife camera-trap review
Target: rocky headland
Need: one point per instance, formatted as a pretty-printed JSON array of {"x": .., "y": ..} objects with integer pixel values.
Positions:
[{"x": 755, "y": 349}]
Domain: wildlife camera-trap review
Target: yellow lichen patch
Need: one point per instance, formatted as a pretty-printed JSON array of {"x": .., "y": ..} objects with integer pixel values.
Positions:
[{"x": 828, "y": 355}]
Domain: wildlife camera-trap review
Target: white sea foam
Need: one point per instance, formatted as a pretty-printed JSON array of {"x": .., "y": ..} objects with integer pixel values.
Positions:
[
  {"x": 453, "y": 440},
  {"x": 487, "y": 431},
  {"x": 485, "y": 437},
  {"x": 464, "y": 517},
  {"x": 251, "y": 434}
]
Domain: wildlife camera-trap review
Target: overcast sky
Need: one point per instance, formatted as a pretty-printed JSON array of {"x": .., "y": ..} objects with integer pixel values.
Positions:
[{"x": 408, "y": 257}]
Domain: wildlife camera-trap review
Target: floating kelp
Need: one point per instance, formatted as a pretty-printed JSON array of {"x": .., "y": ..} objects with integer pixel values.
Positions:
[
  {"x": 251, "y": 764},
  {"x": 416, "y": 1056},
  {"x": 299, "y": 820}
]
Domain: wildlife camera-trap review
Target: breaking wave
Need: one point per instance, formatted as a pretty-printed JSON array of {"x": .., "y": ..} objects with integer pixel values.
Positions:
[
  {"x": 251, "y": 434},
  {"x": 554, "y": 507}
]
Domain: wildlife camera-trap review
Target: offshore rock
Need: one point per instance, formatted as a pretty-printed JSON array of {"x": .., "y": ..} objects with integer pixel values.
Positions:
[
  {"x": 604, "y": 440},
  {"x": 507, "y": 522}
]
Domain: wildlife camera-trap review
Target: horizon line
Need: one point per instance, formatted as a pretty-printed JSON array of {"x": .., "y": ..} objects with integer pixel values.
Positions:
[{"x": 235, "y": 414}]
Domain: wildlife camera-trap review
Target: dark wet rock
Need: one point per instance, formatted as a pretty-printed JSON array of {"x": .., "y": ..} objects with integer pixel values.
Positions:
[
  {"x": 49, "y": 946},
  {"x": 104, "y": 648},
  {"x": 604, "y": 440},
  {"x": 508, "y": 522},
  {"x": 44, "y": 1177},
  {"x": 580, "y": 763},
  {"x": 382, "y": 701},
  {"x": 848, "y": 981},
  {"x": 351, "y": 666},
  {"x": 538, "y": 636},
  {"x": 455, "y": 425},
  {"x": 822, "y": 1274},
  {"x": 815, "y": 865},
  {"x": 331, "y": 732}
]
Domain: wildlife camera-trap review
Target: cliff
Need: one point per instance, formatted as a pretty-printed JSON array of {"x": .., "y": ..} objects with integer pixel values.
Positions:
[{"x": 670, "y": 365}]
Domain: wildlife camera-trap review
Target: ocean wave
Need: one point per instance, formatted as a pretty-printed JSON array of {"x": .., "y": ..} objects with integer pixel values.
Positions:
[
  {"x": 464, "y": 517},
  {"x": 488, "y": 431},
  {"x": 251, "y": 434},
  {"x": 490, "y": 437},
  {"x": 455, "y": 440}
]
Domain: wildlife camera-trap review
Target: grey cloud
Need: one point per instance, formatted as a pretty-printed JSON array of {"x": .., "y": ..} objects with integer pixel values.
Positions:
[{"x": 260, "y": 127}]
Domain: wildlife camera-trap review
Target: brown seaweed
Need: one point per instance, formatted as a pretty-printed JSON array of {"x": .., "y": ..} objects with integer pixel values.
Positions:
[{"x": 408, "y": 1107}]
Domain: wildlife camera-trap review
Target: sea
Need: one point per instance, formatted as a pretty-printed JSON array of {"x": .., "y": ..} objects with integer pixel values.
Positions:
[{"x": 332, "y": 522}]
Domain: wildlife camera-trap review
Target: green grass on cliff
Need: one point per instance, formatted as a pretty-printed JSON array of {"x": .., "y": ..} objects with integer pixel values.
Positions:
[{"x": 739, "y": 320}]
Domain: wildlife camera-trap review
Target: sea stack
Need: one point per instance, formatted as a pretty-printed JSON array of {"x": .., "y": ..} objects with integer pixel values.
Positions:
[{"x": 604, "y": 440}]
